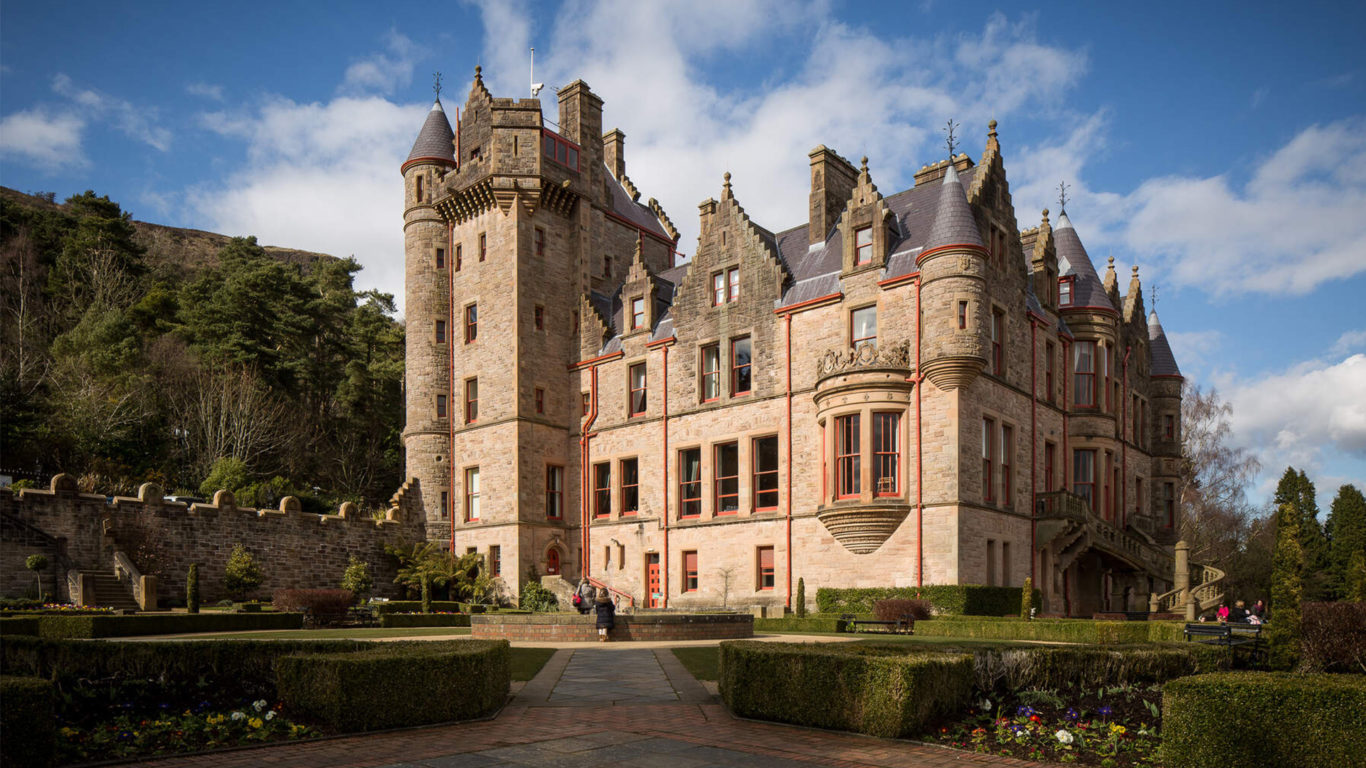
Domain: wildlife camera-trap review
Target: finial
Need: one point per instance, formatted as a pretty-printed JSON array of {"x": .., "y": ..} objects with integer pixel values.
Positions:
[
  {"x": 436, "y": 84},
  {"x": 1135, "y": 270},
  {"x": 991, "y": 128},
  {"x": 1110, "y": 262},
  {"x": 865, "y": 163},
  {"x": 1045, "y": 214},
  {"x": 949, "y": 138},
  {"x": 726, "y": 177},
  {"x": 477, "y": 70},
  {"x": 1062, "y": 196}
]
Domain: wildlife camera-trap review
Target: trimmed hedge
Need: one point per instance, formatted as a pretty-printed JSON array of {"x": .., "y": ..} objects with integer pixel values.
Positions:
[
  {"x": 414, "y": 606},
  {"x": 1014, "y": 669},
  {"x": 27, "y": 721},
  {"x": 86, "y": 627},
  {"x": 794, "y": 624},
  {"x": 1088, "y": 631},
  {"x": 394, "y": 620},
  {"x": 19, "y": 625},
  {"x": 1238, "y": 719},
  {"x": 953, "y": 599},
  {"x": 390, "y": 687},
  {"x": 861, "y": 688}
]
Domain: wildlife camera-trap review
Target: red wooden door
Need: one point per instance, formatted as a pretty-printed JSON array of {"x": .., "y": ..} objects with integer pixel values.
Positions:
[
  {"x": 552, "y": 562},
  {"x": 652, "y": 581}
]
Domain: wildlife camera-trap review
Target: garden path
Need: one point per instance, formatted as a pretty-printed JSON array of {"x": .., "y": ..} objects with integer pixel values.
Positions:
[{"x": 615, "y": 706}]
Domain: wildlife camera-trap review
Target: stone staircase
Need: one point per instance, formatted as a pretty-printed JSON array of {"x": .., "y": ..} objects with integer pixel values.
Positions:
[
  {"x": 562, "y": 589},
  {"x": 109, "y": 591}
]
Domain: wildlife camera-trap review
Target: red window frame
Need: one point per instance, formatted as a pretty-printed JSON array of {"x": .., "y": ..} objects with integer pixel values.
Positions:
[
  {"x": 495, "y": 560},
  {"x": 459, "y": 257},
  {"x": 689, "y": 572},
  {"x": 733, "y": 284},
  {"x": 602, "y": 490},
  {"x": 538, "y": 317},
  {"x": 854, "y": 339},
  {"x": 998, "y": 332},
  {"x": 1084, "y": 482},
  {"x": 726, "y": 483},
  {"x": 441, "y": 406},
  {"x": 483, "y": 245},
  {"x": 440, "y": 331},
  {"x": 1007, "y": 448},
  {"x": 886, "y": 454},
  {"x": 636, "y": 381},
  {"x": 584, "y": 399},
  {"x": 1065, "y": 286},
  {"x": 766, "y": 571},
  {"x": 711, "y": 373},
  {"x": 630, "y": 486},
  {"x": 738, "y": 370},
  {"x": 637, "y": 313},
  {"x": 540, "y": 241},
  {"x": 472, "y": 400},
  {"x": 540, "y": 400},
  {"x": 863, "y": 246},
  {"x": 561, "y": 150},
  {"x": 988, "y": 452},
  {"x": 1169, "y": 426},
  {"x": 471, "y": 494},
  {"x": 848, "y": 468},
  {"x": 554, "y": 492},
  {"x": 471, "y": 323},
  {"x": 765, "y": 481},
  {"x": 718, "y": 289},
  {"x": 1084, "y": 373},
  {"x": 690, "y": 484}
]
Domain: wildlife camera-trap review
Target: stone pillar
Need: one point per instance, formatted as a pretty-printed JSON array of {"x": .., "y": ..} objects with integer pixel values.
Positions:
[
  {"x": 1152, "y": 602},
  {"x": 148, "y": 593},
  {"x": 1182, "y": 577}
]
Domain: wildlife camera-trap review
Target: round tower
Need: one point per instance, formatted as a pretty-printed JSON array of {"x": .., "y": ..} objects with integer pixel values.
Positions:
[
  {"x": 953, "y": 298},
  {"x": 427, "y": 265}
]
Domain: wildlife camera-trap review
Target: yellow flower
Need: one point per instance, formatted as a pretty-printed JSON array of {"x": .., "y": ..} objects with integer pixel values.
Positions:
[
  {"x": 255, "y": 722},
  {"x": 1117, "y": 729}
]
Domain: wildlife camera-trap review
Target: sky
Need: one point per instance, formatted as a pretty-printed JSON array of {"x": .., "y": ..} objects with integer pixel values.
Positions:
[{"x": 1218, "y": 146}]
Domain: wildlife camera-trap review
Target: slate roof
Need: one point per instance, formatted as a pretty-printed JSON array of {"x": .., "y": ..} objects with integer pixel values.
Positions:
[
  {"x": 1087, "y": 289},
  {"x": 953, "y": 221},
  {"x": 1164, "y": 362},
  {"x": 436, "y": 140},
  {"x": 636, "y": 213}
]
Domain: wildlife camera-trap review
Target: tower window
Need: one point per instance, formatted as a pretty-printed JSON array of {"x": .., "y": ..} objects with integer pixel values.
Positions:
[
  {"x": 419, "y": 189},
  {"x": 540, "y": 400},
  {"x": 886, "y": 454},
  {"x": 540, "y": 241},
  {"x": 848, "y": 471},
  {"x": 441, "y": 406},
  {"x": 1084, "y": 372},
  {"x": 1065, "y": 292},
  {"x": 483, "y": 245},
  {"x": 539, "y": 316},
  {"x": 962, "y": 315},
  {"x": 459, "y": 260},
  {"x": 441, "y": 331},
  {"x": 554, "y": 492},
  {"x": 863, "y": 246},
  {"x": 607, "y": 267},
  {"x": 440, "y": 258}
]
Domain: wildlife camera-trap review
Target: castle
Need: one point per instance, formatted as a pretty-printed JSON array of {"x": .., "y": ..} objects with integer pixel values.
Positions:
[{"x": 902, "y": 390}]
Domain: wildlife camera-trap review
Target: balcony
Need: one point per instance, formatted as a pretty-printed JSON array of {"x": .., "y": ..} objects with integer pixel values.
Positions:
[
  {"x": 1067, "y": 518},
  {"x": 865, "y": 358}
]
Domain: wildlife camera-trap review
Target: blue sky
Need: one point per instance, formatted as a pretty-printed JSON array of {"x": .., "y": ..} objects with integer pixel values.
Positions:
[{"x": 1219, "y": 146}]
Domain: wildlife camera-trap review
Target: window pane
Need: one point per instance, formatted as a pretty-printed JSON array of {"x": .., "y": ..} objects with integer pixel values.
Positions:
[
  {"x": 887, "y": 454},
  {"x": 638, "y": 391},
  {"x": 690, "y": 482},
  {"x": 602, "y": 490},
  {"x": 711, "y": 372},
  {"x": 740, "y": 381},
  {"x": 630, "y": 487},
  {"x": 733, "y": 283},
  {"x": 718, "y": 288},
  {"x": 848, "y": 473},
  {"x": 864, "y": 324},
  {"x": 765, "y": 458},
  {"x": 727, "y": 478}
]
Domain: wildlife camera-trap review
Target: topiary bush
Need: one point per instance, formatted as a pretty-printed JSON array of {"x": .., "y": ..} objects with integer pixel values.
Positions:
[
  {"x": 1334, "y": 637},
  {"x": 1015, "y": 669},
  {"x": 389, "y": 687},
  {"x": 801, "y": 598},
  {"x": 192, "y": 589},
  {"x": 27, "y": 721},
  {"x": 1027, "y": 599},
  {"x": 413, "y": 606},
  {"x": 1287, "y": 589},
  {"x": 893, "y": 609},
  {"x": 871, "y": 690},
  {"x": 106, "y": 625},
  {"x": 799, "y": 624},
  {"x": 322, "y": 607},
  {"x": 1237, "y": 719}
]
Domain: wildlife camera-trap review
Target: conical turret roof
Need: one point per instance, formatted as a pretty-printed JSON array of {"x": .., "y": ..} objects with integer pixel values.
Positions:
[
  {"x": 1164, "y": 362},
  {"x": 1087, "y": 289},
  {"x": 435, "y": 142},
  {"x": 953, "y": 221}
]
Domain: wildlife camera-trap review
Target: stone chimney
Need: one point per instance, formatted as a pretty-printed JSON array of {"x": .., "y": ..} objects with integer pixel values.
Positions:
[
  {"x": 614, "y": 152},
  {"x": 581, "y": 123},
  {"x": 832, "y": 182}
]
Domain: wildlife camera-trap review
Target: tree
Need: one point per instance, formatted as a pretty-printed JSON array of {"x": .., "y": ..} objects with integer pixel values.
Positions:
[
  {"x": 1296, "y": 490},
  {"x": 1027, "y": 599},
  {"x": 192, "y": 589},
  {"x": 357, "y": 578},
  {"x": 1346, "y": 530},
  {"x": 801, "y": 598},
  {"x": 1356, "y": 577},
  {"x": 1214, "y": 474},
  {"x": 1286, "y": 590},
  {"x": 228, "y": 474},
  {"x": 242, "y": 575},
  {"x": 37, "y": 564}
]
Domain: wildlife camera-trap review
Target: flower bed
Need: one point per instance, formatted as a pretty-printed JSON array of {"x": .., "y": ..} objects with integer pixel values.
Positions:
[{"x": 93, "y": 626}]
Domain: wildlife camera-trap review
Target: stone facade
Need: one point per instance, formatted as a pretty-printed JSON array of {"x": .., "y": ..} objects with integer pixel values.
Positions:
[{"x": 812, "y": 403}]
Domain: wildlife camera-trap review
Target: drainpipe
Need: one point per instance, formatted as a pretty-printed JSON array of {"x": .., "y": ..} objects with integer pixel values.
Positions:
[
  {"x": 1123, "y": 441},
  {"x": 919, "y": 465},
  {"x": 585, "y": 513},
  {"x": 450, "y": 377},
  {"x": 664, "y": 565},
  {"x": 787, "y": 325},
  {"x": 1033, "y": 447},
  {"x": 1066, "y": 374}
]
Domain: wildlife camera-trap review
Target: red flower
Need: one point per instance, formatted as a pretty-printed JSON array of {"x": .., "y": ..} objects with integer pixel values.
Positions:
[{"x": 1034, "y": 718}]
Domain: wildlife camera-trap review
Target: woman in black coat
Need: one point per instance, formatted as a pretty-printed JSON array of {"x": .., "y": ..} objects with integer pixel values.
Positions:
[{"x": 606, "y": 614}]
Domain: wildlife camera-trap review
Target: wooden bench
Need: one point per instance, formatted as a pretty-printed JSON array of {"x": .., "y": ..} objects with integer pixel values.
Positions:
[
  {"x": 1233, "y": 635},
  {"x": 902, "y": 626}
]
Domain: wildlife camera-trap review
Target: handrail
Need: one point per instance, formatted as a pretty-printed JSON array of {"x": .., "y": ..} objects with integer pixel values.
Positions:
[
  {"x": 1203, "y": 592},
  {"x": 609, "y": 588},
  {"x": 123, "y": 566}
]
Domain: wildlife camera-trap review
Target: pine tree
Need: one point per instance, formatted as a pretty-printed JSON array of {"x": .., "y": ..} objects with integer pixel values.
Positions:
[
  {"x": 1356, "y": 578},
  {"x": 1027, "y": 599},
  {"x": 1297, "y": 490},
  {"x": 242, "y": 575},
  {"x": 801, "y": 598},
  {"x": 192, "y": 589},
  {"x": 1283, "y": 631},
  {"x": 1347, "y": 535}
]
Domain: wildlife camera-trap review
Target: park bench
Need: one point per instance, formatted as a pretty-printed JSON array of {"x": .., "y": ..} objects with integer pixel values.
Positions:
[
  {"x": 904, "y": 625},
  {"x": 1234, "y": 635}
]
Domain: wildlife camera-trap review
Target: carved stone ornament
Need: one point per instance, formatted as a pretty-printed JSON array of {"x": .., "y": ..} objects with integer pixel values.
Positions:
[
  {"x": 862, "y": 529},
  {"x": 865, "y": 356}
]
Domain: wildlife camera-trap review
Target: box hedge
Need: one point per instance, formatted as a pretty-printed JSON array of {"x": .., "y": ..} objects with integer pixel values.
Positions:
[
  {"x": 388, "y": 687},
  {"x": 1055, "y": 668},
  {"x": 1088, "y": 631},
  {"x": 794, "y": 624},
  {"x": 414, "y": 606},
  {"x": 860, "y": 688},
  {"x": 398, "y": 620},
  {"x": 19, "y": 625},
  {"x": 27, "y": 721},
  {"x": 953, "y": 599},
  {"x": 86, "y": 627},
  {"x": 1229, "y": 719}
]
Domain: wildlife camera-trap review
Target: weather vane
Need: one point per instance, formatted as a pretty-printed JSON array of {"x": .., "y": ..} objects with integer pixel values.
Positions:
[
  {"x": 950, "y": 140},
  {"x": 436, "y": 83},
  {"x": 1062, "y": 196},
  {"x": 1155, "y": 286}
]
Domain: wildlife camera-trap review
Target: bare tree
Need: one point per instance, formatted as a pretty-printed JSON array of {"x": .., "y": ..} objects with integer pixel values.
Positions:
[
  {"x": 24, "y": 350},
  {"x": 727, "y": 574},
  {"x": 227, "y": 414},
  {"x": 1214, "y": 476}
]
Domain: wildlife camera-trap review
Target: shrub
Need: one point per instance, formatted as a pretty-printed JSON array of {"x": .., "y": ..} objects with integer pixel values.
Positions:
[
  {"x": 392, "y": 620},
  {"x": 19, "y": 604},
  {"x": 357, "y": 578},
  {"x": 1287, "y": 573},
  {"x": 963, "y": 599},
  {"x": 893, "y": 609},
  {"x": 1233, "y": 719},
  {"x": 27, "y": 721},
  {"x": 106, "y": 625},
  {"x": 1016, "y": 669},
  {"x": 226, "y": 474},
  {"x": 1334, "y": 637},
  {"x": 242, "y": 575},
  {"x": 1027, "y": 598},
  {"x": 192, "y": 589},
  {"x": 799, "y": 624},
  {"x": 322, "y": 606},
  {"x": 1088, "y": 631},
  {"x": 880, "y": 692},
  {"x": 390, "y": 687},
  {"x": 801, "y": 598},
  {"x": 413, "y": 606},
  {"x": 536, "y": 597},
  {"x": 19, "y": 625}
]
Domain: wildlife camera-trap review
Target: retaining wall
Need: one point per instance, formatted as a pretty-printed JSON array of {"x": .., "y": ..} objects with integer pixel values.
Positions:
[{"x": 572, "y": 628}]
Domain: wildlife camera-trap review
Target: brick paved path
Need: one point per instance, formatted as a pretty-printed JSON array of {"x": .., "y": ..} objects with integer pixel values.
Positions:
[{"x": 588, "y": 708}]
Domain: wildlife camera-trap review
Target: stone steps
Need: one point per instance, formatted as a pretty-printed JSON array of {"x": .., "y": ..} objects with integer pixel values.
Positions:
[{"x": 110, "y": 592}]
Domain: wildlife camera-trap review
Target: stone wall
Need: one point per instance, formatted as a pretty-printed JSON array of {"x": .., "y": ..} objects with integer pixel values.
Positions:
[
  {"x": 568, "y": 628},
  {"x": 295, "y": 549}
]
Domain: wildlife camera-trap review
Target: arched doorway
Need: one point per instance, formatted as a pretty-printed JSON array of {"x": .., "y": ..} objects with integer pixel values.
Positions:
[{"x": 552, "y": 562}]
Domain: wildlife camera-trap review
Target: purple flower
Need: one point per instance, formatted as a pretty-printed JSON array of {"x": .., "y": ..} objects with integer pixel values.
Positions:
[
  {"x": 1072, "y": 714},
  {"x": 1023, "y": 711},
  {"x": 1105, "y": 711}
]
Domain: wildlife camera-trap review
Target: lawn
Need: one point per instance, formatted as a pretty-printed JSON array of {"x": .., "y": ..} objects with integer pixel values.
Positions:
[
  {"x": 526, "y": 662},
  {"x": 352, "y": 633},
  {"x": 700, "y": 662}
]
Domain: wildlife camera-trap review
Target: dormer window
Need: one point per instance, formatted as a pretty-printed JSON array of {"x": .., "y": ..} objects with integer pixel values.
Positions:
[
  {"x": 725, "y": 286},
  {"x": 1065, "y": 292},
  {"x": 637, "y": 313},
  {"x": 863, "y": 246}
]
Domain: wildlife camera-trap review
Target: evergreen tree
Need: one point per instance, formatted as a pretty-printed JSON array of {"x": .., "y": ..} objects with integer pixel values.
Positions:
[
  {"x": 242, "y": 575},
  {"x": 1347, "y": 534},
  {"x": 1356, "y": 577},
  {"x": 1297, "y": 490},
  {"x": 1287, "y": 573}
]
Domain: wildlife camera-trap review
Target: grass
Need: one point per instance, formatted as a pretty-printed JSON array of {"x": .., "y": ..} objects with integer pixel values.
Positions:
[
  {"x": 701, "y": 662},
  {"x": 353, "y": 633},
  {"x": 526, "y": 662}
]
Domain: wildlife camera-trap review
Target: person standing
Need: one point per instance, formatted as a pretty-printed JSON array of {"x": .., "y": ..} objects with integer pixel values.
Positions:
[
  {"x": 584, "y": 596},
  {"x": 606, "y": 614}
]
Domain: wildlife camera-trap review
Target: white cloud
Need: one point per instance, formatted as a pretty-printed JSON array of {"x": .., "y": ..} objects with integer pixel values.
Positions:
[
  {"x": 42, "y": 137},
  {"x": 1349, "y": 341},
  {"x": 136, "y": 122},
  {"x": 382, "y": 72},
  {"x": 1192, "y": 346},
  {"x": 214, "y": 92}
]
